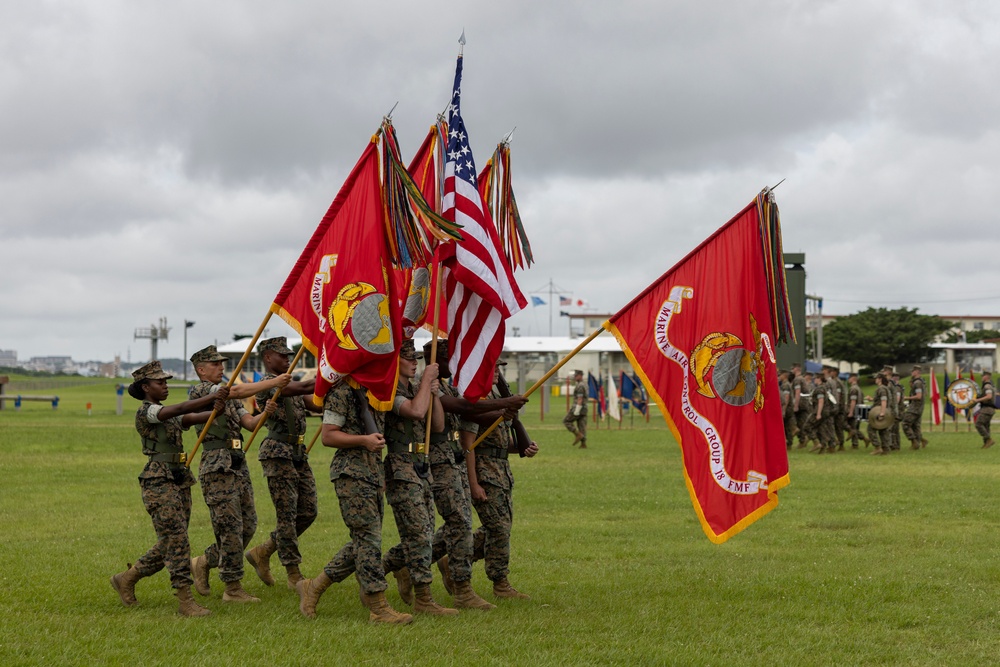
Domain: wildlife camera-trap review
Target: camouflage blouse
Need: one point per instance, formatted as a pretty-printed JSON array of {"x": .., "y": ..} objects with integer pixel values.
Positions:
[
  {"x": 342, "y": 408},
  {"x": 225, "y": 426},
  {"x": 489, "y": 469},
  {"x": 291, "y": 411},
  {"x": 147, "y": 426}
]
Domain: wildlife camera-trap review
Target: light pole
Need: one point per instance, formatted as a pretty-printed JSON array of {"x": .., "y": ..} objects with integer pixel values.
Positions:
[{"x": 187, "y": 325}]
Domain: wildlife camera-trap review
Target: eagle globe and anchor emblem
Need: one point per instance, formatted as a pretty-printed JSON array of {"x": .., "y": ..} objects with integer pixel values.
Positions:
[{"x": 722, "y": 366}]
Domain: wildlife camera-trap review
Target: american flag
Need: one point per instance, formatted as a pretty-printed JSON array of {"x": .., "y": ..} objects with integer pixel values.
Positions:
[{"x": 479, "y": 285}]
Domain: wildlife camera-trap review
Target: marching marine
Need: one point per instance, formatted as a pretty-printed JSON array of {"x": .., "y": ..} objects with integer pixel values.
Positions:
[
  {"x": 986, "y": 409},
  {"x": 286, "y": 468},
  {"x": 880, "y": 439},
  {"x": 166, "y": 484},
  {"x": 225, "y": 478},
  {"x": 575, "y": 420},
  {"x": 855, "y": 399},
  {"x": 914, "y": 410}
]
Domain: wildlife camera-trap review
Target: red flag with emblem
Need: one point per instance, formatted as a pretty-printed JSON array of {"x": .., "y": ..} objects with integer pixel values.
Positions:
[
  {"x": 935, "y": 399},
  {"x": 701, "y": 338},
  {"x": 339, "y": 296}
]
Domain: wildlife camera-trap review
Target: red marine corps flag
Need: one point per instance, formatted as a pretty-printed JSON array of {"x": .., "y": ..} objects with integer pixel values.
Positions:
[
  {"x": 341, "y": 295},
  {"x": 702, "y": 337}
]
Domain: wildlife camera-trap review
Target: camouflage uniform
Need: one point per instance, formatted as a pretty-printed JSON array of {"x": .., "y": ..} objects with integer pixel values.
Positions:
[
  {"x": 855, "y": 394},
  {"x": 451, "y": 494},
  {"x": 290, "y": 480},
  {"x": 914, "y": 411},
  {"x": 986, "y": 410},
  {"x": 408, "y": 490},
  {"x": 577, "y": 423},
  {"x": 166, "y": 492},
  {"x": 788, "y": 414},
  {"x": 226, "y": 487},
  {"x": 825, "y": 424},
  {"x": 492, "y": 539},
  {"x": 357, "y": 477},
  {"x": 840, "y": 414},
  {"x": 895, "y": 398},
  {"x": 881, "y": 439},
  {"x": 805, "y": 411}
]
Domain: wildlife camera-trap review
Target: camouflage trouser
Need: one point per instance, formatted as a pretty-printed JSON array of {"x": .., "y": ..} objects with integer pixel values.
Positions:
[
  {"x": 169, "y": 505},
  {"x": 839, "y": 426},
  {"x": 824, "y": 429},
  {"x": 854, "y": 429},
  {"x": 983, "y": 418},
  {"x": 576, "y": 423},
  {"x": 361, "y": 508},
  {"x": 413, "y": 509},
  {"x": 293, "y": 492},
  {"x": 454, "y": 504},
  {"x": 229, "y": 496},
  {"x": 911, "y": 426},
  {"x": 790, "y": 428},
  {"x": 880, "y": 439},
  {"x": 894, "y": 435},
  {"x": 491, "y": 541},
  {"x": 802, "y": 420}
]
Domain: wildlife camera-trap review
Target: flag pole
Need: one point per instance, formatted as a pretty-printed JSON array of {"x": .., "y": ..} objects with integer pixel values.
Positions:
[
  {"x": 277, "y": 394},
  {"x": 434, "y": 349},
  {"x": 232, "y": 379},
  {"x": 315, "y": 437},
  {"x": 541, "y": 380}
]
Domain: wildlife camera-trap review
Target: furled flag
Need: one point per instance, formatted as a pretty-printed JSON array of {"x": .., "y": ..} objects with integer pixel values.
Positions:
[
  {"x": 495, "y": 187},
  {"x": 537, "y": 301},
  {"x": 596, "y": 394},
  {"x": 701, "y": 338},
  {"x": 949, "y": 409},
  {"x": 935, "y": 399},
  {"x": 632, "y": 392},
  {"x": 479, "y": 286},
  {"x": 565, "y": 301},
  {"x": 340, "y": 295},
  {"x": 614, "y": 409}
]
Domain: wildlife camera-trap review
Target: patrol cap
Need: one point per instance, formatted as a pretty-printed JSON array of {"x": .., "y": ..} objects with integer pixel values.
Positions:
[
  {"x": 277, "y": 344},
  {"x": 206, "y": 354},
  {"x": 151, "y": 371},
  {"x": 887, "y": 369},
  {"x": 501, "y": 362},
  {"x": 442, "y": 348},
  {"x": 409, "y": 351},
  {"x": 918, "y": 368}
]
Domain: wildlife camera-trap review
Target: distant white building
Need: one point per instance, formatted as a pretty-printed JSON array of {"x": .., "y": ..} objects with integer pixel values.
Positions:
[{"x": 8, "y": 358}]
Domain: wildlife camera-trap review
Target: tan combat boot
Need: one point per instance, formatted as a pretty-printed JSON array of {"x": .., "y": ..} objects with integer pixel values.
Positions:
[
  {"x": 466, "y": 598},
  {"x": 988, "y": 443},
  {"x": 425, "y": 604},
  {"x": 234, "y": 593},
  {"x": 381, "y": 612},
  {"x": 124, "y": 585},
  {"x": 914, "y": 444},
  {"x": 449, "y": 583},
  {"x": 923, "y": 442},
  {"x": 404, "y": 584},
  {"x": 199, "y": 572},
  {"x": 260, "y": 558},
  {"x": 877, "y": 451},
  {"x": 503, "y": 589},
  {"x": 187, "y": 605},
  {"x": 309, "y": 591},
  {"x": 294, "y": 576}
]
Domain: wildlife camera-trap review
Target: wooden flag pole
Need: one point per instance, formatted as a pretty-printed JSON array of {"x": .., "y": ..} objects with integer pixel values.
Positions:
[
  {"x": 277, "y": 394},
  {"x": 434, "y": 349},
  {"x": 315, "y": 438},
  {"x": 232, "y": 378},
  {"x": 541, "y": 380}
]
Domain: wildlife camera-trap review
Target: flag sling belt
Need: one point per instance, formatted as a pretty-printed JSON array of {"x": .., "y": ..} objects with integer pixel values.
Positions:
[
  {"x": 492, "y": 452},
  {"x": 457, "y": 453},
  {"x": 217, "y": 439},
  {"x": 287, "y": 431},
  {"x": 166, "y": 451},
  {"x": 401, "y": 441}
]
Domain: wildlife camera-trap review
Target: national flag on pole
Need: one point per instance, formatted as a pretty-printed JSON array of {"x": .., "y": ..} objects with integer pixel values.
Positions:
[
  {"x": 614, "y": 408},
  {"x": 537, "y": 301},
  {"x": 595, "y": 394},
  {"x": 632, "y": 392},
  {"x": 949, "y": 409},
  {"x": 565, "y": 301},
  {"x": 935, "y": 399},
  {"x": 972, "y": 374},
  {"x": 701, "y": 338},
  {"x": 479, "y": 285}
]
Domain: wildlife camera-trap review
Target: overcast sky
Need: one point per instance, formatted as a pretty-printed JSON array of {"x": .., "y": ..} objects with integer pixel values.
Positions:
[{"x": 172, "y": 159}]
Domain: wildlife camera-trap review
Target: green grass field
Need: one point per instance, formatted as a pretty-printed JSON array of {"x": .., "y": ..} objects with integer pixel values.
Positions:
[{"x": 867, "y": 560}]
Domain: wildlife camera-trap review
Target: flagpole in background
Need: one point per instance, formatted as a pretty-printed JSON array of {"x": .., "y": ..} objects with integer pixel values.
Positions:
[
  {"x": 232, "y": 378},
  {"x": 277, "y": 394}
]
